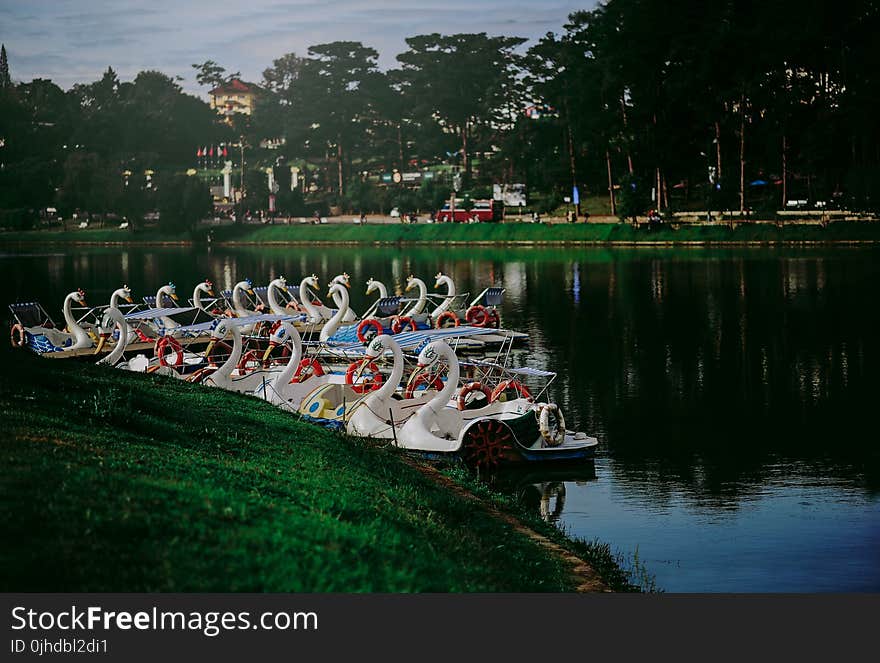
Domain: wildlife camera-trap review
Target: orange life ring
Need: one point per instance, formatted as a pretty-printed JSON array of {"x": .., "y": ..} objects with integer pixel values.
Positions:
[
  {"x": 308, "y": 363},
  {"x": 477, "y": 316},
  {"x": 443, "y": 317},
  {"x": 469, "y": 388},
  {"x": 400, "y": 321},
  {"x": 371, "y": 385},
  {"x": 422, "y": 379},
  {"x": 17, "y": 343},
  {"x": 370, "y": 322},
  {"x": 163, "y": 344},
  {"x": 511, "y": 384}
]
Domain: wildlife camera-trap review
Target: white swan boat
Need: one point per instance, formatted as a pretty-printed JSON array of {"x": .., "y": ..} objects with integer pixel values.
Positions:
[{"x": 490, "y": 436}]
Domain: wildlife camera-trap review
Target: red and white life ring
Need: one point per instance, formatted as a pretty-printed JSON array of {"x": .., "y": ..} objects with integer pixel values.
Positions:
[
  {"x": 470, "y": 388},
  {"x": 422, "y": 379},
  {"x": 163, "y": 344},
  {"x": 373, "y": 383},
  {"x": 307, "y": 368},
  {"x": 443, "y": 317},
  {"x": 516, "y": 385},
  {"x": 364, "y": 324},
  {"x": 477, "y": 316},
  {"x": 401, "y": 321},
  {"x": 249, "y": 357}
]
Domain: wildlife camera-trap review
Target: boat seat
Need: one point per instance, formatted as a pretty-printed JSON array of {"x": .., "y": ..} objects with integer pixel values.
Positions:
[
  {"x": 388, "y": 306},
  {"x": 30, "y": 314}
]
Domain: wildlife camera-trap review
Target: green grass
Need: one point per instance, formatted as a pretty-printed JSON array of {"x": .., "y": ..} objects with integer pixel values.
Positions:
[
  {"x": 122, "y": 482},
  {"x": 489, "y": 233}
]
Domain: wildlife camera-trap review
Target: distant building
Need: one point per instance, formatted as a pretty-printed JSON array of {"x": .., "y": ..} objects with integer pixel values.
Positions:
[{"x": 236, "y": 96}]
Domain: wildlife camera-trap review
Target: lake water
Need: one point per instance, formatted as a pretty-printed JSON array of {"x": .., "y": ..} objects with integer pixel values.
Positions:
[{"x": 732, "y": 391}]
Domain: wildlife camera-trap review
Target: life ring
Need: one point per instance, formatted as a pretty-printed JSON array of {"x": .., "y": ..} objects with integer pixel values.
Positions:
[
  {"x": 247, "y": 357},
  {"x": 20, "y": 341},
  {"x": 477, "y": 316},
  {"x": 511, "y": 384},
  {"x": 200, "y": 375},
  {"x": 470, "y": 388},
  {"x": 553, "y": 439},
  {"x": 169, "y": 342},
  {"x": 308, "y": 363},
  {"x": 400, "y": 321},
  {"x": 422, "y": 379},
  {"x": 364, "y": 324},
  {"x": 443, "y": 317},
  {"x": 369, "y": 385}
]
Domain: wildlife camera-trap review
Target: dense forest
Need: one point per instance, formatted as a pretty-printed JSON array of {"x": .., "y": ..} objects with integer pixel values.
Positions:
[{"x": 723, "y": 105}]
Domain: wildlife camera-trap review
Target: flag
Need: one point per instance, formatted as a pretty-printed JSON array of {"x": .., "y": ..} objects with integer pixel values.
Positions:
[
  {"x": 205, "y": 151},
  {"x": 211, "y": 151},
  {"x": 224, "y": 151},
  {"x": 198, "y": 151}
]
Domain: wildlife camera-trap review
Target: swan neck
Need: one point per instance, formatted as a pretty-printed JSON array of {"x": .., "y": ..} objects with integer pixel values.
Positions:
[
  {"x": 387, "y": 390},
  {"x": 286, "y": 375},
  {"x": 229, "y": 365},
  {"x": 118, "y": 318},
  {"x": 333, "y": 324},
  {"x": 274, "y": 304},
  {"x": 442, "y": 398},
  {"x": 305, "y": 297}
]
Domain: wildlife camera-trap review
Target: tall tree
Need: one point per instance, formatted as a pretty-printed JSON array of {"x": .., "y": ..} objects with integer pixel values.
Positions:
[
  {"x": 458, "y": 81},
  {"x": 5, "y": 78}
]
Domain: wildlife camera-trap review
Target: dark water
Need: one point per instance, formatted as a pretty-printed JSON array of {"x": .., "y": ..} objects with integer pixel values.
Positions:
[{"x": 734, "y": 392}]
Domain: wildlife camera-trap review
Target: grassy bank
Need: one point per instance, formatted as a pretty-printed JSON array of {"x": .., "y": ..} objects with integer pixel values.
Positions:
[
  {"x": 121, "y": 482},
  {"x": 488, "y": 233}
]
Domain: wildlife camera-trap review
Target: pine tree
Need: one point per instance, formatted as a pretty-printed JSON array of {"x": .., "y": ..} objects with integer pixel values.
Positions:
[{"x": 5, "y": 80}]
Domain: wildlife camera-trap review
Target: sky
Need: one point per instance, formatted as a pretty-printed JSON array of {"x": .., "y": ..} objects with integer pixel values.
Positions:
[{"x": 74, "y": 41}]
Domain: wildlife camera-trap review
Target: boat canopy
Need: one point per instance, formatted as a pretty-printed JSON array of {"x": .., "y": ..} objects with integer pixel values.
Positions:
[
  {"x": 151, "y": 313},
  {"x": 416, "y": 340},
  {"x": 238, "y": 322}
]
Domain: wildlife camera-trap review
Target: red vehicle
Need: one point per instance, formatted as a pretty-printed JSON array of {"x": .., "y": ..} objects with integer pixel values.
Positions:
[{"x": 481, "y": 210}]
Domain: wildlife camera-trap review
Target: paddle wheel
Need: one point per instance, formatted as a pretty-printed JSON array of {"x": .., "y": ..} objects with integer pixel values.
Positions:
[{"x": 486, "y": 444}]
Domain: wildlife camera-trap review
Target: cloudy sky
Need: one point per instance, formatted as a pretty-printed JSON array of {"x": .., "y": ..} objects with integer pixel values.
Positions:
[{"x": 74, "y": 41}]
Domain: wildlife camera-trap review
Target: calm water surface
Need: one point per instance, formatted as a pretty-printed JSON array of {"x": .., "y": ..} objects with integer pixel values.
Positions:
[{"x": 734, "y": 393}]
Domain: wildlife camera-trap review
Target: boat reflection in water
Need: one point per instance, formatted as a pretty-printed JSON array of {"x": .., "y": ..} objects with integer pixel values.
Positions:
[{"x": 542, "y": 489}]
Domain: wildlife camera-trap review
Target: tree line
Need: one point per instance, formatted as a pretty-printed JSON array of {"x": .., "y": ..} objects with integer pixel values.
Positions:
[{"x": 672, "y": 105}]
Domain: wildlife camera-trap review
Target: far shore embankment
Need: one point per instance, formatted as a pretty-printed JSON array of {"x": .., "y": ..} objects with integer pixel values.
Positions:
[{"x": 343, "y": 231}]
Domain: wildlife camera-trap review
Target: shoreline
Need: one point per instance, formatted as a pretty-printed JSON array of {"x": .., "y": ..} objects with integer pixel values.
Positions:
[
  {"x": 523, "y": 235},
  {"x": 252, "y": 500}
]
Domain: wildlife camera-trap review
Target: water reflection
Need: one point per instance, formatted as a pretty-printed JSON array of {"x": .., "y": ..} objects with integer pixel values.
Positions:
[
  {"x": 720, "y": 383},
  {"x": 543, "y": 490}
]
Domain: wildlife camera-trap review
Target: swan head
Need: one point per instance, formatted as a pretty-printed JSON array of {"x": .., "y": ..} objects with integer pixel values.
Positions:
[
  {"x": 378, "y": 346},
  {"x": 79, "y": 296},
  {"x": 371, "y": 285},
  {"x": 125, "y": 293},
  {"x": 439, "y": 279},
  {"x": 219, "y": 329},
  {"x": 277, "y": 336},
  {"x": 431, "y": 354},
  {"x": 105, "y": 330},
  {"x": 311, "y": 281},
  {"x": 247, "y": 285},
  {"x": 168, "y": 290},
  {"x": 207, "y": 287},
  {"x": 337, "y": 288},
  {"x": 281, "y": 284},
  {"x": 410, "y": 282},
  {"x": 342, "y": 279}
]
